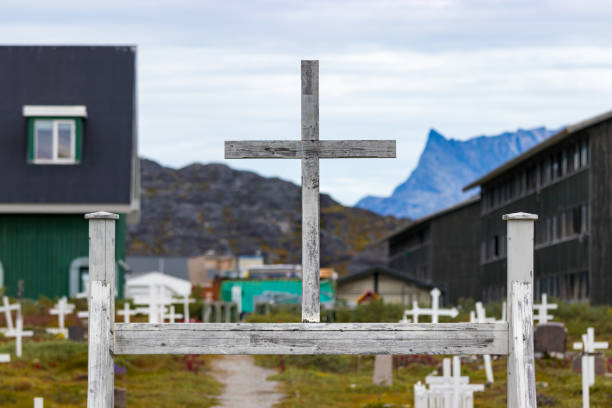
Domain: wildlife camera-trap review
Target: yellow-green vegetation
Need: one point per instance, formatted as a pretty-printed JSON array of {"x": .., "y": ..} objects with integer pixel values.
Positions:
[
  {"x": 57, "y": 371},
  {"x": 346, "y": 381}
]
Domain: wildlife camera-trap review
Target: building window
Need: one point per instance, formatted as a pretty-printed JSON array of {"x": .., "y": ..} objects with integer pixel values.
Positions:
[
  {"x": 584, "y": 153},
  {"x": 55, "y": 140},
  {"x": 585, "y": 218}
]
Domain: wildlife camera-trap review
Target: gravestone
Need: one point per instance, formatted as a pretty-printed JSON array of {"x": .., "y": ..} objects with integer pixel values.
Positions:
[
  {"x": 550, "y": 338},
  {"x": 383, "y": 370},
  {"x": 77, "y": 333},
  {"x": 600, "y": 364},
  {"x": 120, "y": 397}
]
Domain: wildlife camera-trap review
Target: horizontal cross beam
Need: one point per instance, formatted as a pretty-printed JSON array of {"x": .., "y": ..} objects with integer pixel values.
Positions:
[
  {"x": 311, "y": 338},
  {"x": 299, "y": 149}
]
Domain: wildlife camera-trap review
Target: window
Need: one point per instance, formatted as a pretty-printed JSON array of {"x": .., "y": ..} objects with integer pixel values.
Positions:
[
  {"x": 576, "y": 159},
  {"x": 54, "y": 141},
  {"x": 585, "y": 218},
  {"x": 584, "y": 153}
]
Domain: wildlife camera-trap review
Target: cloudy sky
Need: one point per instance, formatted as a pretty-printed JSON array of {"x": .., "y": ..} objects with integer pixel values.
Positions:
[{"x": 210, "y": 71}]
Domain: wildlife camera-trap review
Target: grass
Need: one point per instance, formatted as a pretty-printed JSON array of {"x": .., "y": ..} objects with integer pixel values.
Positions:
[
  {"x": 346, "y": 381},
  {"x": 57, "y": 371}
]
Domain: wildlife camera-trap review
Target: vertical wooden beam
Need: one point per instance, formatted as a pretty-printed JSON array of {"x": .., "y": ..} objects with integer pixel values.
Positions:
[
  {"x": 521, "y": 373},
  {"x": 100, "y": 372},
  {"x": 310, "y": 195}
]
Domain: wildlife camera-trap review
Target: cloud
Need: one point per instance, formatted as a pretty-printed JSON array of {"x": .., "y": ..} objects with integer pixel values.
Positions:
[{"x": 211, "y": 71}]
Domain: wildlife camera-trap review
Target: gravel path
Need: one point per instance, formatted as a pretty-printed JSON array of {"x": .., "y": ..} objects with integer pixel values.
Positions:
[{"x": 245, "y": 383}]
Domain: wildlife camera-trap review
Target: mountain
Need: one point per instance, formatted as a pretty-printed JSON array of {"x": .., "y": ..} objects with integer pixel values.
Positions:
[
  {"x": 190, "y": 210},
  {"x": 446, "y": 166}
]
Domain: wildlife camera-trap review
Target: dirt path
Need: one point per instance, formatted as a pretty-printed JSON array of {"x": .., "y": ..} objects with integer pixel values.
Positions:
[{"x": 245, "y": 383}]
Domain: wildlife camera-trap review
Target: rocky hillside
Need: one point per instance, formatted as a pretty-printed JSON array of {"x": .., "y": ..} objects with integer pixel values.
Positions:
[
  {"x": 190, "y": 210},
  {"x": 446, "y": 166}
]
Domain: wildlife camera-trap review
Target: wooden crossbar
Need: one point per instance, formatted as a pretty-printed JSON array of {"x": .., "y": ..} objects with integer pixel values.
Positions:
[
  {"x": 311, "y": 338},
  {"x": 299, "y": 149}
]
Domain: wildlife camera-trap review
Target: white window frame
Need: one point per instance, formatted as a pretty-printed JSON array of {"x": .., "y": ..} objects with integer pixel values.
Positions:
[{"x": 55, "y": 142}]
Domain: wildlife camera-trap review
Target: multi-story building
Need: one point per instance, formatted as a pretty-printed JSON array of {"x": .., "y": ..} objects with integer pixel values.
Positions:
[
  {"x": 567, "y": 181},
  {"x": 441, "y": 249}
]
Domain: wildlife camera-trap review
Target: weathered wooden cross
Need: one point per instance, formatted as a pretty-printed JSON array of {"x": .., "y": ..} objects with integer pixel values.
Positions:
[
  {"x": 435, "y": 312},
  {"x": 310, "y": 149},
  {"x": 542, "y": 317},
  {"x": 107, "y": 338},
  {"x": 7, "y": 308},
  {"x": 590, "y": 348}
]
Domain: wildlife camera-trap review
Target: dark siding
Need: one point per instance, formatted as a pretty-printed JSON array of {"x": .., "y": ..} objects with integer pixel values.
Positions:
[
  {"x": 558, "y": 261},
  {"x": 103, "y": 79},
  {"x": 601, "y": 213},
  {"x": 40, "y": 248},
  {"x": 410, "y": 252},
  {"x": 455, "y": 252}
]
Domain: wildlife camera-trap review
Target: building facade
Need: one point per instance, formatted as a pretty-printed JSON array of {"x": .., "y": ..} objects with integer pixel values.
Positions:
[
  {"x": 442, "y": 250},
  {"x": 68, "y": 146},
  {"x": 567, "y": 181}
]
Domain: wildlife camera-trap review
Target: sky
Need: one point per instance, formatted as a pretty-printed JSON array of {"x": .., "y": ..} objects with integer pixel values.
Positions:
[{"x": 210, "y": 71}]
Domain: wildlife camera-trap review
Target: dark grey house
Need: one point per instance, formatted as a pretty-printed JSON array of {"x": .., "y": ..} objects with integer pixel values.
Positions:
[{"x": 68, "y": 146}]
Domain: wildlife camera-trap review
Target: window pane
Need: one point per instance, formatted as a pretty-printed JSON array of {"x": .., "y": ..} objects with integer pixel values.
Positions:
[
  {"x": 43, "y": 132},
  {"x": 64, "y": 140}
]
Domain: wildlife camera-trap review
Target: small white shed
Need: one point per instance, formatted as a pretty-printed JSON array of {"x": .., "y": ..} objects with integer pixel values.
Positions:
[{"x": 166, "y": 286}]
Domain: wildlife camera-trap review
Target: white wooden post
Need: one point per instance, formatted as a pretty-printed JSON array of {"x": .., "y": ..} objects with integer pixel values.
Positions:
[
  {"x": 311, "y": 306},
  {"x": 38, "y": 402},
  {"x": 521, "y": 365},
  {"x": 100, "y": 375}
]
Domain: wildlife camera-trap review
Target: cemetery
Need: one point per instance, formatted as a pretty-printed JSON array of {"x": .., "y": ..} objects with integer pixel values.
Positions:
[{"x": 480, "y": 281}]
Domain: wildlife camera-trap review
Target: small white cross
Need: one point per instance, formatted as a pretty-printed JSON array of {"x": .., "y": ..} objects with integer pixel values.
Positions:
[
  {"x": 7, "y": 308},
  {"x": 589, "y": 347},
  {"x": 38, "y": 402},
  {"x": 434, "y": 312},
  {"x": 18, "y": 333},
  {"x": 126, "y": 312},
  {"x": 171, "y": 315},
  {"x": 457, "y": 387},
  {"x": 61, "y": 309},
  {"x": 185, "y": 301},
  {"x": 155, "y": 303},
  {"x": 481, "y": 317},
  {"x": 542, "y": 316}
]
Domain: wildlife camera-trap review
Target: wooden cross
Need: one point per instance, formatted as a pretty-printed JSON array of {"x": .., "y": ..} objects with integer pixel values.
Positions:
[
  {"x": 126, "y": 312},
  {"x": 481, "y": 317},
  {"x": 309, "y": 150},
  {"x": 18, "y": 333},
  {"x": 542, "y": 316},
  {"x": 155, "y": 303},
  {"x": 589, "y": 347},
  {"x": 457, "y": 388},
  {"x": 61, "y": 309},
  {"x": 434, "y": 312},
  {"x": 170, "y": 315},
  {"x": 185, "y": 301},
  {"x": 7, "y": 308}
]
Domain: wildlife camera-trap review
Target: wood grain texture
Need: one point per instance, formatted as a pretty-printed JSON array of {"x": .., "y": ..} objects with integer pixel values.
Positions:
[
  {"x": 521, "y": 360},
  {"x": 296, "y": 149},
  {"x": 100, "y": 374},
  {"x": 311, "y": 338},
  {"x": 520, "y": 230},
  {"x": 100, "y": 371}
]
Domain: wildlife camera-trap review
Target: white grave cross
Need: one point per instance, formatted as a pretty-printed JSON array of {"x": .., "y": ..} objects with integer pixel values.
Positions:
[
  {"x": 185, "y": 301},
  {"x": 170, "y": 314},
  {"x": 18, "y": 333},
  {"x": 309, "y": 150},
  {"x": 61, "y": 309},
  {"x": 448, "y": 391},
  {"x": 589, "y": 347},
  {"x": 542, "y": 316},
  {"x": 7, "y": 308},
  {"x": 126, "y": 312},
  {"x": 434, "y": 312},
  {"x": 155, "y": 302},
  {"x": 481, "y": 317}
]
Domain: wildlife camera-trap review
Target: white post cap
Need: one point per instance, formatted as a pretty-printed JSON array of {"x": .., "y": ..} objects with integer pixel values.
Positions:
[
  {"x": 519, "y": 216},
  {"x": 101, "y": 215}
]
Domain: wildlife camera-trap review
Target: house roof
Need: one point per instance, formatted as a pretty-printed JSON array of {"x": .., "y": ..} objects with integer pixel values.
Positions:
[
  {"x": 383, "y": 270},
  {"x": 412, "y": 224},
  {"x": 554, "y": 139},
  {"x": 175, "y": 266}
]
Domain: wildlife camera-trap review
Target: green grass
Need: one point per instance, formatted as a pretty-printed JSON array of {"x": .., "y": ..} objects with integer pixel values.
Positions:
[
  {"x": 57, "y": 371},
  {"x": 346, "y": 381}
]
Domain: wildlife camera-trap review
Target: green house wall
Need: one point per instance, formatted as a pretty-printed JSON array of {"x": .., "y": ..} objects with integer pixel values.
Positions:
[{"x": 39, "y": 249}]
